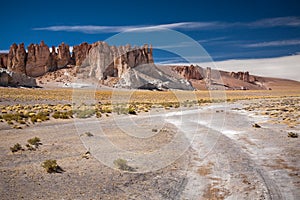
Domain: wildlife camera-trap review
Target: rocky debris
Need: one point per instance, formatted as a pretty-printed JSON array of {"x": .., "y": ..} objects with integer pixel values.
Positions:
[
  {"x": 16, "y": 58},
  {"x": 189, "y": 72},
  {"x": 9, "y": 78}
]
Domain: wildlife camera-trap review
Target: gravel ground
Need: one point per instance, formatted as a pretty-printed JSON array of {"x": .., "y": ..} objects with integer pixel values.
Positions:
[{"x": 211, "y": 152}]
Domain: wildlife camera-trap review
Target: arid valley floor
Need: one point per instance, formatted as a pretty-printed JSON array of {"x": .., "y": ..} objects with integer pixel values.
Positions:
[{"x": 178, "y": 145}]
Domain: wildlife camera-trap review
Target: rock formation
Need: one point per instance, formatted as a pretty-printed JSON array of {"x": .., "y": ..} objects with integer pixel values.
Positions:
[
  {"x": 64, "y": 56},
  {"x": 80, "y": 52},
  {"x": 38, "y": 60},
  {"x": 208, "y": 76},
  {"x": 3, "y": 60},
  {"x": 9, "y": 78},
  {"x": 104, "y": 61},
  {"x": 244, "y": 76},
  {"x": 16, "y": 58},
  {"x": 189, "y": 72}
]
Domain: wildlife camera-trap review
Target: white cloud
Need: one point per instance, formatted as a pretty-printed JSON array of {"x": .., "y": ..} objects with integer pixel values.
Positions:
[
  {"x": 56, "y": 49},
  {"x": 263, "y": 23},
  {"x": 4, "y": 51},
  {"x": 91, "y": 29},
  {"x": 274, "y": 43},
  {"x": 212, "y": 40},
  {"x": 280, "y": 67},
  {"x": 276, "y": 22}
]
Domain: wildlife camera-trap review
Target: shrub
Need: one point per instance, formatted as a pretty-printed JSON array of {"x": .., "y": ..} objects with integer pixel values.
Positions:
[
  {"x": 131, "y": 111},
  {"x": 10, "y": 123},
  {"x": 16, "y": 147},
  {"x": 30, "y": 147},
  {"x": 98, "y": 114},
  {"x": 85, "y": 113},
  {"x": 122, "y": 165},
  {"x": 62, "y": 115},
  {"x": 89, "y": 134},
  {"x": 256, "y": 125},
  {"x": 34, "y": 141},
  {"x": 17, "y": 127},
  {"x": 43, "y": 116},
  {"x": 292, "y": 135},
  {"x": 51, "y": 166}
]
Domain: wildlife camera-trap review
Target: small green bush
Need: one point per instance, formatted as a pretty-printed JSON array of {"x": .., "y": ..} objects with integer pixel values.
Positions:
[
  {"x": 122, "y": 165},
  {"x": 16, "y": 147},
  {"x": 51, "y": 166}
]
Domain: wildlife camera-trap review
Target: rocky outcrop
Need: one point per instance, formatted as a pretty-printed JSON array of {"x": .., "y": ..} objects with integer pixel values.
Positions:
[
  {"x": 63, "y": 57},
  {"x": 38, "y": 60},
  {"x": 98, "y": 60},
  {"x": 3, "y": 60},
  {"x": 104, "y": 61},
  {"x": 16, "y": 58},
  {"x": 244, "y": 76},
  {"x": 9, "y": 78},
  {"x": 189, "y": 72},
  {"x": 208, "y": 76},
  {"x": 149, "y": 76},
  {"x": 80, "y": 52}
]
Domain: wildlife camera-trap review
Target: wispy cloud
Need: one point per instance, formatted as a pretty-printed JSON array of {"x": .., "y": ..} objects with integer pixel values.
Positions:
[
  {"x": 91, "y": 29},
  {"x": 273, "y": 43},
  {"x": 289, "y": 21},
  {"x": 212, "y": 39}
]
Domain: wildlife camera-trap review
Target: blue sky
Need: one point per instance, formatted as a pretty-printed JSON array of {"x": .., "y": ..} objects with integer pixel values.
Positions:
[{"x": 226, "y": 29}]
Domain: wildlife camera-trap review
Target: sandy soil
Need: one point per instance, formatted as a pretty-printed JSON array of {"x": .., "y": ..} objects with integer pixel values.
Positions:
[{"x": 210, "y": 152}]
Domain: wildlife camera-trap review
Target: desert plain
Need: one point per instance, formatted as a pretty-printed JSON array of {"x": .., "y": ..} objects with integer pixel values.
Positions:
[{"x": 124, "y": 144}]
